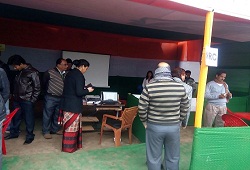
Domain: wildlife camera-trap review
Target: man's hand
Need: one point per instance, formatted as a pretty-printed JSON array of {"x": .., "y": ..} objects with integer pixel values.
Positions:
[
  {"x": 229, "y": 95},
  {"x": 144, "y": 124},
  {"x": 222, "y": 96},
  {"x": 90, "y": 89}
]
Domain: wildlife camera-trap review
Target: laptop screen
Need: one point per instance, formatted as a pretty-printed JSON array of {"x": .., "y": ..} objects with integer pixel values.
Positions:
[{"x": 109, "y": 96}]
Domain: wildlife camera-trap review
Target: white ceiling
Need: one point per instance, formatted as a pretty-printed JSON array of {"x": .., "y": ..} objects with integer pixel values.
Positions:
[{"x": 149, "y": 14}]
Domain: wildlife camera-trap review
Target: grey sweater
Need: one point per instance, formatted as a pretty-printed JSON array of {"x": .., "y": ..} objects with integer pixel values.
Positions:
[
  {"x": 213, "y": 90},
  {"x": 187, "y": 87},
  {"x": 4, "y": 92},
  {"x": 163, "y": 102}
]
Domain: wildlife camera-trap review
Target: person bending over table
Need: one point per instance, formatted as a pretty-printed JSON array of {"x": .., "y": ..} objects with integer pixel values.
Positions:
[{"x": 71, "y": 105}]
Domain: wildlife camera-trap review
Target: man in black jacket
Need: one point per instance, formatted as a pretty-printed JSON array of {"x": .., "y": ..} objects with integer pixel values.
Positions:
[{"x": 25, "y": 94}]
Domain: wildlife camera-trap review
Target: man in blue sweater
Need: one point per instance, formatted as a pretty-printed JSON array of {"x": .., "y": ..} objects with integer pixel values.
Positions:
[
  {"x": 163, "y": 104},
  {"x": 217, "y": 95}
]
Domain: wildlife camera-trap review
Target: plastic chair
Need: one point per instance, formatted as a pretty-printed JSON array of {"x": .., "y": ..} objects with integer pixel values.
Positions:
[
  {"x": 229, "y": 111},
  {"x": 117, "y": 124},
  {"x": 4, "y": 127},
  {"x": 232, "y": 121}
]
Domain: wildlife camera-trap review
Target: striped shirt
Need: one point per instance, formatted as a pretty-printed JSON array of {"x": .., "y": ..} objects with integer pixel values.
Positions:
[{"x": 163, "y": 102}]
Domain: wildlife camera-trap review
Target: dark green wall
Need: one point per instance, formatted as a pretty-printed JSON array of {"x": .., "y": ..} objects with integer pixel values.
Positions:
[
  {"x": 122, "y": 85},
  {"x": 234, "y": 58}
]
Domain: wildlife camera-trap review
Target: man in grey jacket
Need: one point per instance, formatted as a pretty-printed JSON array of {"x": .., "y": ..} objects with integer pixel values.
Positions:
[
  {"x": 4, "y": 96},
  {"x": 162, "y": 105},
  {"x": 179, "y": 76},
  {"x": 217, "y": 95}
]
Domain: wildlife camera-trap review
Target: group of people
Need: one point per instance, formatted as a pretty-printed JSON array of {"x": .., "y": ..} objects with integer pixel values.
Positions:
[
  {"x": 64, "y": 89},
  {"x": 164, "y": 105}
]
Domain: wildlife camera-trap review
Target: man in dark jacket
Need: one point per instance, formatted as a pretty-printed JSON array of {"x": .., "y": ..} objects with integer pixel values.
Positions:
[
  {"x": 190, "y": 81},
  {"x": 25, "y": 94},
  {"x": 4, "y": 96}
]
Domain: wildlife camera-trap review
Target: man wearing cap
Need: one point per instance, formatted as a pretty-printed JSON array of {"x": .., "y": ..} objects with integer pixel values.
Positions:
[{"x": 162, "y": 105}]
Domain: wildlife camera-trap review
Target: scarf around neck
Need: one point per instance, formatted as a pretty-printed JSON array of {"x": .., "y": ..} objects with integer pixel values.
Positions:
[{"x": 163, "y": 73}]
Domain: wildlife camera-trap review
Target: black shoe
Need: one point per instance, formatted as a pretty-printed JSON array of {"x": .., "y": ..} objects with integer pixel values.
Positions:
[
  {"x": 10, "y": 137},
  {"x": 28, "y": 141}
]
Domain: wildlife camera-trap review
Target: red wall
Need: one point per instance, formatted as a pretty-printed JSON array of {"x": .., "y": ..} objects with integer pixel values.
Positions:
[{"x": 37, "y": 35}]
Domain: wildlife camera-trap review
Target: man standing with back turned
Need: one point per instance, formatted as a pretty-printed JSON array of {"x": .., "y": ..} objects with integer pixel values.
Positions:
[{"x": 162, "y": 105}]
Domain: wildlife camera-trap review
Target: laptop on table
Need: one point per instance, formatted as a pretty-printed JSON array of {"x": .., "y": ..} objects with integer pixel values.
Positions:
[{"x": 109, "y": 98}]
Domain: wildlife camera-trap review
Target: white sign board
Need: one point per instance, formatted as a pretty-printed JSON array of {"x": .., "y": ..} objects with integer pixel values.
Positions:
[
  {"x": 98, "y": 71},
  {"x": 211, "y": 57}
]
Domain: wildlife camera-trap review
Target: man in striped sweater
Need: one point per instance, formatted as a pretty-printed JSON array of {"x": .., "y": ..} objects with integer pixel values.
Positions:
[
  {"x": 53, "y": 81},
  {"x": 162, "y": 105}
]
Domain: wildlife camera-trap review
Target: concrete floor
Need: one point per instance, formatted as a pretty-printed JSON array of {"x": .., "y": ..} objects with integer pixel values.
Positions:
[
  {"x": 41, "y": 145},
  {"x": 46, "y": 153},
  {"x": 15, "y": 147}
]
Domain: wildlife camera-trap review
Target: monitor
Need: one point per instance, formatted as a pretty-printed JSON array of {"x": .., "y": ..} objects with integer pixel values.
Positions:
[{"x": 109, "y": 96}]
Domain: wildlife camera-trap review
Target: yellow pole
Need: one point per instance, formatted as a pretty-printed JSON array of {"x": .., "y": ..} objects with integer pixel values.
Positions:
[{"x": 203, "y": 70}]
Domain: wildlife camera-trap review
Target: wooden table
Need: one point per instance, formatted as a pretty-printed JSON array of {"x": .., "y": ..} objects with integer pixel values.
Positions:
[
  {"x": 90, "y": 114},
  {"x": 116, "y": 107}
]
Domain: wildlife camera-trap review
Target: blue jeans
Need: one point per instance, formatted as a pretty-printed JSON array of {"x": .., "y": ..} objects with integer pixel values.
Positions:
[
  {"x": 7, "y": 107},
  {"x": 158, "y": 136},
  {"x": 1, "y": 124},
  {"x": 26, "y": 112},
  {"x": 50, "y": 114}
]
